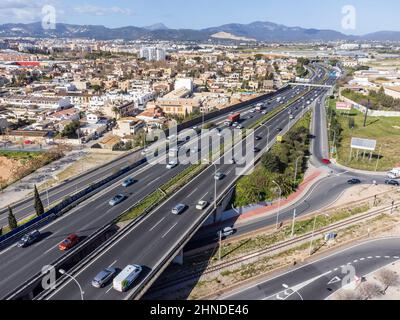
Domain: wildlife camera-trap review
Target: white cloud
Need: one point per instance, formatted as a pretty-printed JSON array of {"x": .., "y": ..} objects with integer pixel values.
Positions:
[
  {"x": 102, "y": 11},
  {"x": 22, "y": 10}
]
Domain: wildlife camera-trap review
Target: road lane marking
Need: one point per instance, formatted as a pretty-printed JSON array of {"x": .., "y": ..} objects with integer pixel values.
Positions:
[
  {"x": 169, "y": 230},
  {"x": 108, "y": 290},
  {"x": 157, "y": 224},
  {"x": 190, "y": 194},
  {"x": 112, "y": 263},
  {"x": 155, "y": 180}
]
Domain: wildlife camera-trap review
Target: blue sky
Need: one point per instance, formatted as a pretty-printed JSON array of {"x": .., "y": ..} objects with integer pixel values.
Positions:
[{"x": 372, "y": 15}]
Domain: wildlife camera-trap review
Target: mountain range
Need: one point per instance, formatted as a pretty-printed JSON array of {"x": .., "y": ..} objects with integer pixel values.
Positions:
[{"x": 256, "y": 31}]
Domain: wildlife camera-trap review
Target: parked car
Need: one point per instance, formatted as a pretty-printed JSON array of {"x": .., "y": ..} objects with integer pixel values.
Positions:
[
  {"x": 29, "y": 239},
  {"x": 354, "y": 181},
  {"x": 219, "y": 176},
  {"x": 128, "y": 182},
  {"x": 116, "y": 200},
  {"x": 257, "y": 138},
  {"x": 104, "y": 277},
  {"x": 179, "y": 208},
  {"x": 392, "y": 182},
  {"x": 69, "y": 242},
  {"x": 226, "y": 232},
  {"x": 201, "y": 205}
]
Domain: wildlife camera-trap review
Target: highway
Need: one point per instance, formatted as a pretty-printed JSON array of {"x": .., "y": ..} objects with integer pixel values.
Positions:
[
  {"x": 25, "y": 208},
  {"x": 319, "y": 279},
  {"x": 149, "y": 241},
  {"x": 321, "y": 195},
  {"x": 21, "y": 264}
]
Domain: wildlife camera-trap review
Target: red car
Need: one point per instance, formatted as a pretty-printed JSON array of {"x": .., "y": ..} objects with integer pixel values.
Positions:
[
  {"x": 69, "y": 242},
  {"x": 326, "y": 161}
]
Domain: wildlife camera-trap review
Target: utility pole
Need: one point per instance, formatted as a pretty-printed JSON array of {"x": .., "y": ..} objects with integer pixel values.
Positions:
[
  {"x": 366, "y": 113},
  {"x": 294, "y": 218}
]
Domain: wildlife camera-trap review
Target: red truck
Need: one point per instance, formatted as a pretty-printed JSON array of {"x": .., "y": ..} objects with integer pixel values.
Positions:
[{"x": 232, "y": 118}]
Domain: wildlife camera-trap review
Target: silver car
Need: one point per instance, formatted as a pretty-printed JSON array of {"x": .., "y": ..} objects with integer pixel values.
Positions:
[
  {"x": 178, "y": 209},
  {"x": 104, "y": 277}
]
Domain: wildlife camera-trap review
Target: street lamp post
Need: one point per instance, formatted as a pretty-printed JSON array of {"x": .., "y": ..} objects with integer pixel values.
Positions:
[
  {"x": 265, "y": 125},
  {"x": 312, "y": 237},
  {"x": 294, "y": 218},
  {"x": 63, "y": 272},
  {"x": 279, "y": 204},
  {"x": 295, "y": 171},
  {"x": 215, "y": 188}
]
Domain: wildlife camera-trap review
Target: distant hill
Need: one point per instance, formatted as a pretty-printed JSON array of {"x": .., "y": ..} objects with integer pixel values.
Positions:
[
  {"x": 157, "y": 26},
  {"x": 260, "y": 31}
]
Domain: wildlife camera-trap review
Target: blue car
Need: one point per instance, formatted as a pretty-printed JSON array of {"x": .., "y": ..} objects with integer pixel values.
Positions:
[
  {"x": 116, "y": 200},
  {"x": 128, "y": 182}
]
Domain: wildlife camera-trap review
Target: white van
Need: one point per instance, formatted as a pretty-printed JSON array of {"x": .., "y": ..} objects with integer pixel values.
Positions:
[{"x": 126, "y": 277}]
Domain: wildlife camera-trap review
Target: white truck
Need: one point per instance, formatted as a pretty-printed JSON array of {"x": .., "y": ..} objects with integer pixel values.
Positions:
[
  {"x": 394, "y": 173},
  {"x": 127, "y": 276}
]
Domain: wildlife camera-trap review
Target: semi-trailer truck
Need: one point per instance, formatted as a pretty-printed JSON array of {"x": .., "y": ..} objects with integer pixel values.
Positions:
[{"x": 232, "y": 118}]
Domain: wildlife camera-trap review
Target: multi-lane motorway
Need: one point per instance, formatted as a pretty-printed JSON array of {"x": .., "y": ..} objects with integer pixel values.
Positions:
[
  {"x": 150, "y": 241},
  {"x": 21, "y": 264},
  {"x": 319, "y": 279},
  {"x": 321, "y": 194}
]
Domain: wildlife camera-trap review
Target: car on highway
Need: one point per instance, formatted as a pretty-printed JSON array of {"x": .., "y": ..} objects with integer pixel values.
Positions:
[
  {"x": 326, "y": 161},
  {"x": 29, "y": 239},
  {"x": 219, "y": 176},
  {"x": 171, "y": 165},
  {"x": 226, "y": 232},
  {"x": 354, "y": 181},
  {"x": 392, "y": 182},
  {"x": 68, "y": 243},
  {"x": 257, "y": 138},
  {"x": 116, "y": 200},
  {"x": 128, "y": 182},
  {"x": 178, "y": 209},
  {"x": 201, "y": 205},
  {"x": 256, "y": 150},
  {"x": 104, "y": 277},
  {"x": 126, "y": 277},
  {"x": 279, "y": 129}
]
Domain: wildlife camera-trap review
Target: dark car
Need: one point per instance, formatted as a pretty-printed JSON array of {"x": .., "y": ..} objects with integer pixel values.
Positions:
[
  {"x": 128, "y": 182},
  {"x": 354, "y": 181},
  {"x": 279, "y": 129},
  {"x": 256, "y": 150},
  {"x": 29, "y": 239},
  {"x": 257, "y": 138},
  {"x": 392, "y": 182}
]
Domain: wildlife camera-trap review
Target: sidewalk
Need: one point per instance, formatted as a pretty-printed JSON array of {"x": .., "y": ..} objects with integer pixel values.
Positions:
[{"x": 313, "y": 175}]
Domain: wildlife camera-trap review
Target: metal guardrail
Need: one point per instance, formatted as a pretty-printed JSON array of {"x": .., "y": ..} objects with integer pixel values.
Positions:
[
  {"x": 61, "y": 208},
  {"x": 38, "y": 276},
  {"x": 144, "y": 286}
]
